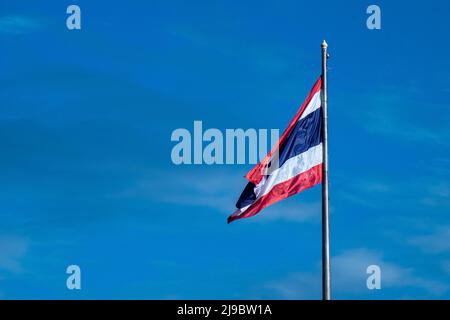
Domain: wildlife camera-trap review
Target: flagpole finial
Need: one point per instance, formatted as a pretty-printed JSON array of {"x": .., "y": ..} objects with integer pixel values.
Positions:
[{"x": 324, "y": 44}]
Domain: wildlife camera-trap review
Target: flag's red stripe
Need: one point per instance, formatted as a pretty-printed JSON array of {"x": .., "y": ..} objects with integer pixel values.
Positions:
[
  {"x": 284, "y": 190},
  {"x": 256, "y": 174}
]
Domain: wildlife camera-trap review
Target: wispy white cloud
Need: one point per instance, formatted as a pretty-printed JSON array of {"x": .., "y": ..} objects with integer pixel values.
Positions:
[
  {"x": 365, "y": 191},
  {"x": 12, "y": 251},
  {"x": 388, "y": 112},
  {"x": 216, "y": 190},
  {"x": 349, "y": 277},
  {"x": 287, "y": 210},
  {"x": 298, "y": 285},
  {"x": 275, "y": 59},
  {"x": 16, "y": 24},
  {"x": 428, "y": 190},
  {"x": 350, "y": 273},
  {"x": 437, "y": 194},
  {"x": 436, "y": 242},
  {"x": 193, "y": 188},
  {"x": 446, "y": 266}
]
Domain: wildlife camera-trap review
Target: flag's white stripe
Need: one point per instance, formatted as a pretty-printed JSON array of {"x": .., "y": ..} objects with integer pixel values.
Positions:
[
  {"x": 240, "y": 211},
  {"x": 313, "y": 105},
  {"x": 291, "y": 168}
]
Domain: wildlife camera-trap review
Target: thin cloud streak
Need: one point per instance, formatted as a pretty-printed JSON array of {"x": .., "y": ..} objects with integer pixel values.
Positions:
[
  {"x": 217, "y": 190},
  {"x": 349, "y": 277},
  {"x": 436, "y": 242},
  {"x": 18, "y": 24},
  {"x": 12, "y": 251}
]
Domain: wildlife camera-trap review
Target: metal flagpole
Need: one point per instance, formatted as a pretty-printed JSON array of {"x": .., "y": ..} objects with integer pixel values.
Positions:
[{"x": 326, "y": 277}]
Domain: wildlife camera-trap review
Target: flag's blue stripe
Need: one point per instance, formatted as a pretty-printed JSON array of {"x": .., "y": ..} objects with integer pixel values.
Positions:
[
  {"x": 247, "y": 197},
  {"x": 306, "y": 134}
]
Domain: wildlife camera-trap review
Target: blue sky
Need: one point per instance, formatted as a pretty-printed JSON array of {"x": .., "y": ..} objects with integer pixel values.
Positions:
[{"x": 86, "y": 174}]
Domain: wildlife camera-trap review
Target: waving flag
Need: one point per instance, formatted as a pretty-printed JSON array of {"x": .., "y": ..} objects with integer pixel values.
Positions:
[{"x": 293, "y": 165}]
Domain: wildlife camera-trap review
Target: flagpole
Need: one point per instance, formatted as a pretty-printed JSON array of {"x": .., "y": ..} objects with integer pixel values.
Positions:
[{"x": 326, "y": 277}]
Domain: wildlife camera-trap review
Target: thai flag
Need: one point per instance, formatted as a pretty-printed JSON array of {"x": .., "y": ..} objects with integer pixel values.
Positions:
[{"x": 293, "y": 165}]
